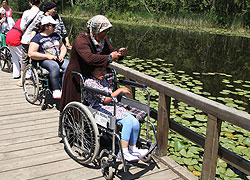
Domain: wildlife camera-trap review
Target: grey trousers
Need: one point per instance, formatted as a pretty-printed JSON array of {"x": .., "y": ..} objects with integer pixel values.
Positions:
[{"x": 25, "y": 58}]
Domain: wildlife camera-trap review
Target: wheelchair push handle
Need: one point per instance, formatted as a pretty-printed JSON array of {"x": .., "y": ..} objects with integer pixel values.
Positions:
[{"x": 132, "y": 83}]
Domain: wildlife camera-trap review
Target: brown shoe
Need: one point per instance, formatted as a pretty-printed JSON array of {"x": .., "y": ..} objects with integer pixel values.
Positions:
[{"x": 20, "y": 84}]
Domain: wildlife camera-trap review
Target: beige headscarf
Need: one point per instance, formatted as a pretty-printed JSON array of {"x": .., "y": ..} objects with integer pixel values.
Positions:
[{"x": 96, "y": 25}]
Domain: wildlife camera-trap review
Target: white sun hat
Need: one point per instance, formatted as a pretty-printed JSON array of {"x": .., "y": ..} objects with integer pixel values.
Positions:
[{"x": 48, "y": 20}]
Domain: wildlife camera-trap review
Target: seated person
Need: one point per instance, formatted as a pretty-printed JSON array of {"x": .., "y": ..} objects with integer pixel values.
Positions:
[
  {"x": 130, "y": 125},
  {"x": 6, "y": 23},
  {"x": 48, "y": 48}
]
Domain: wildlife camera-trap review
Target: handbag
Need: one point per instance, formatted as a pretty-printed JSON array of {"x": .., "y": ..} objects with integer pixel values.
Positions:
[{"x": 14, "y": 36}]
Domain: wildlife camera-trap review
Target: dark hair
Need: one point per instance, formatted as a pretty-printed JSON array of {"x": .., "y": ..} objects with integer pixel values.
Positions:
[
  {"x": 40, "y": 28},
  {"x": 5, "y": 0},
  {"x": 49, "y": 5},
  {"x": 35, "y": 2}
]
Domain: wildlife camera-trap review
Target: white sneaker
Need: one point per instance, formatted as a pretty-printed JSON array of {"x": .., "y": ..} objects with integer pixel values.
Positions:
[
  {"x": 127, "y": 156},
  {"x": 138, "y": 152},
  {"x": 57, "y": 94}
]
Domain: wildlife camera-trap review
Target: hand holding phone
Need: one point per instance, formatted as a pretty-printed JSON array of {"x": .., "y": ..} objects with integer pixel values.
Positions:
[{"x": 122, "y": 51}]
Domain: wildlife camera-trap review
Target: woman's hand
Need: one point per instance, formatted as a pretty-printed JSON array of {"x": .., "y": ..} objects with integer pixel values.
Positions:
[
  {"x": 61, "y": 58},
  {"x": 3, "y": 19},
  {"x": 115, "y": 55},
  {"x": 123, "y": 51},
  {"x": 51, "y": 57}
]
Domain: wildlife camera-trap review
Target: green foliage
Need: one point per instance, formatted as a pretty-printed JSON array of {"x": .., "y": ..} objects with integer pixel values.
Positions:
[{"x": 222, "y": 12}]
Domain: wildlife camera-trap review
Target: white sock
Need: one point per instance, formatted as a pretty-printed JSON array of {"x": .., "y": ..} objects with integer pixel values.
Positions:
[
  {"x": 132, "y": 148},
  {"x": 125, "y": 150}
]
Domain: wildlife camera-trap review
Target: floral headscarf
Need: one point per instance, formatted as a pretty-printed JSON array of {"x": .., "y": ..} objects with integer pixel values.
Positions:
[{"x": 96, "y": 25}]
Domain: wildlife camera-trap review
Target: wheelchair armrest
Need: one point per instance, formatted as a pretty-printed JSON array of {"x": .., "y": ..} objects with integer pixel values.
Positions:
[
  {"x": 132, "y": 83},
  {"x": 107, "y": 94}
]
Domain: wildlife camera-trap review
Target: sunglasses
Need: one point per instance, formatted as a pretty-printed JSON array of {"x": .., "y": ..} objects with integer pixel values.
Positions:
[{"x": 53, "y": 25}]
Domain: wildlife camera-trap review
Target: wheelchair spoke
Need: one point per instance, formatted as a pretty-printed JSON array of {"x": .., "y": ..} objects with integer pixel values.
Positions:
[{"x": 79, "y": 133}]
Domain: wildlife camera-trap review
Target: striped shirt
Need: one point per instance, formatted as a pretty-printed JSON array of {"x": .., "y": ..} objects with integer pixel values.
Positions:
[{"x": 60, "y": 27}]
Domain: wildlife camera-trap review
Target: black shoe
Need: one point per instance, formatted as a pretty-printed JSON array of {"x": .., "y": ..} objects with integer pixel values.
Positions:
[{"x": 17, "y": 77}]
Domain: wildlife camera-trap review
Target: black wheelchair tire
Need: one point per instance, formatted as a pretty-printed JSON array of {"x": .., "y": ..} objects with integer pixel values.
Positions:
[
  {"x": 6, "y": 59},
  {"x": 80, "y": 134},
  {"x": 107, "y": 169},
  {"x": 33, "y": 82}
]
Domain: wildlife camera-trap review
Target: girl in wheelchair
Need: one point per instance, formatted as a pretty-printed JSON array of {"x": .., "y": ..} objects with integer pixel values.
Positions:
[
  {"x": 130, "y": 125},
  {"x": 48, "y": 48}
]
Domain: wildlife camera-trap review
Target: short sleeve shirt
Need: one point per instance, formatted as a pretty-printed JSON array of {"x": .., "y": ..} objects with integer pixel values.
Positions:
[{"x": 48, "y": 44}]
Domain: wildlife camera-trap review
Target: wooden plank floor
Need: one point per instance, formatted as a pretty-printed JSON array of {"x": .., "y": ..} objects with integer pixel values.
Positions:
[{"x": 30, "y": 148}]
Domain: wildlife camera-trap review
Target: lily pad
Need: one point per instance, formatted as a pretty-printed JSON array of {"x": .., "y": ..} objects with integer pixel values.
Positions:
[
  {"x": 238, "y": 81},
  {"x": 194, "y": 149},
  {"x": 221, "y": 163},
  {"x": 246, "y": 141},
  {"x": 178, "y": 146},
  {"x": 231, "y": 105},
  {"x": 202, "y": 118},
  {"x": 190, "y": 161},
  {"x": 187, "y": 154},
  {"x": 230, "y": 173},
  {"x": 196, "y": 173},
  {"x": 245, "y": 85}
]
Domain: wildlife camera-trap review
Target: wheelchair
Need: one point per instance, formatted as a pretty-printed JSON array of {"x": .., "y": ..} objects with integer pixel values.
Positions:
[
  {"x": 90, "y": 136},
  {"x": 36, "y": 85},
  {"x": 6, "y": 62}
]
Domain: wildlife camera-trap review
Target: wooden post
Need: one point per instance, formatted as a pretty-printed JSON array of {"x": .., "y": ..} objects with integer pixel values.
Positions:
[
  {"x": 163, "y": 122},
  {"x": 211, "y": 148}
]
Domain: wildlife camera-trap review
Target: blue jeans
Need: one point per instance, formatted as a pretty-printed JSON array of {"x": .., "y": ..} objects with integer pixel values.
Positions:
[
  {"x": 54, "y": 71},
  {"x": 130, "y": 128}
]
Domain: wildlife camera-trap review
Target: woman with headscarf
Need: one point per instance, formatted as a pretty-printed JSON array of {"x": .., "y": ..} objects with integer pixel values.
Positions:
[{"x": 90, "y": 48}]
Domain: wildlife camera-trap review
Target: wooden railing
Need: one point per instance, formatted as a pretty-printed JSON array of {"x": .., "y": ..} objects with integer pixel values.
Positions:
[{"x": 216, "y": 114}]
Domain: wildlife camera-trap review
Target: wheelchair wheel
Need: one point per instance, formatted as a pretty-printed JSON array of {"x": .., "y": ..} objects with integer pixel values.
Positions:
[
  {"x": 6, "y": 59},
  {"x": 79, "y": 133},
  {"x": 107, "y": 169},
  {"x": 30, "y": 84},
  {"x": 148, "y": 157}
]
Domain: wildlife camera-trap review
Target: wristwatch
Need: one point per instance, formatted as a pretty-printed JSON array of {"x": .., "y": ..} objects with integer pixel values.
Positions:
[{"x": 110, "y": 58}]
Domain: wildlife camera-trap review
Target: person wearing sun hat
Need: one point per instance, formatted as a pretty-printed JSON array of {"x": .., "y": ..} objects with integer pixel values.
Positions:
[
  {"x": 47, "y": 47},
  {"x": 49, "y": 9}
]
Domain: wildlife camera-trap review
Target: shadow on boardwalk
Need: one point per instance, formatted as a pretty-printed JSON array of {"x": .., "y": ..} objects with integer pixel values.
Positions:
[{"x": 30, "y": 148}]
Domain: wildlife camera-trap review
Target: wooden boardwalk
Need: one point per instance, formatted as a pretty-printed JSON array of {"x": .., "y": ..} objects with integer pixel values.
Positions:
[{"x": 30, "y": 148}]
